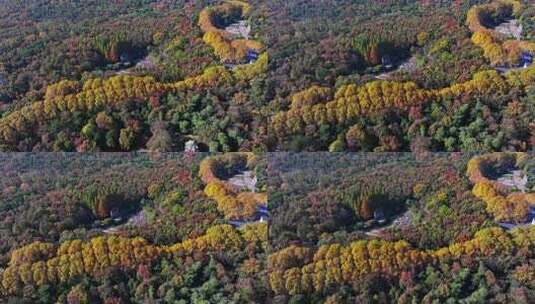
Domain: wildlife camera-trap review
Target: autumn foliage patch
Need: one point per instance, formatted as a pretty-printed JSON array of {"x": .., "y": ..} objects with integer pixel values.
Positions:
[
  {"x": 499, "y": 52},
  {"x": 228, "y": 49},
  {"x": 44, "y": 263},
  {"x": 232, "y": 202}
]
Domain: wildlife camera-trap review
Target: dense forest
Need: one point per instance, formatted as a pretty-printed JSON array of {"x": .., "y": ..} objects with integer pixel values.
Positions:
[
  {"x": 401, "y": 228},
  {"x": 145, "y": 145},
  {"x": 130, "y": 75},
  {"x": 193, "y": 228},
  {"x": 401, "y": 76},
  {"x": 356, "y": 76},
  {"x": 128, "y": 228}
]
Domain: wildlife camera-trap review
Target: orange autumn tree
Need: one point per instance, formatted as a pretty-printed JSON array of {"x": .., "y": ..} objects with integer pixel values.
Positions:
[
  {"x": 513, "y": 207},
  {"x": 503, "y": 208},
  {"x": 480, "y": 167},
  {"x": 228, "y": 49},
  {"x": 496, "y": 48},
  {"x": 233, "y": 203},
  {"x": 61, "y": 89},
  {"x": 311, "y": 96}
]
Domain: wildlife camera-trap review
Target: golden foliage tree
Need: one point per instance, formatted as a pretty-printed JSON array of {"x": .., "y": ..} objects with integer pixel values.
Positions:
[
  {"x": 42, "y": 263},
  {"x": 335, "y": 264}
]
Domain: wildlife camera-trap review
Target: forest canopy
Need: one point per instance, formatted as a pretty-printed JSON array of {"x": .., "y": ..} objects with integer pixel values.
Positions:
[
  {"x": 401, "y": 227},
  {"x": 127, "y": 228},
  {"x": 247, "y": 75}
]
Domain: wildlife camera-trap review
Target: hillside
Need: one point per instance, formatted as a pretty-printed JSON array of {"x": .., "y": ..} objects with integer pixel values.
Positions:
[
  {"x": 267, "y": 75},
  {"x": 400, "y": 228},
  {"x": 125, "y": 228}
]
